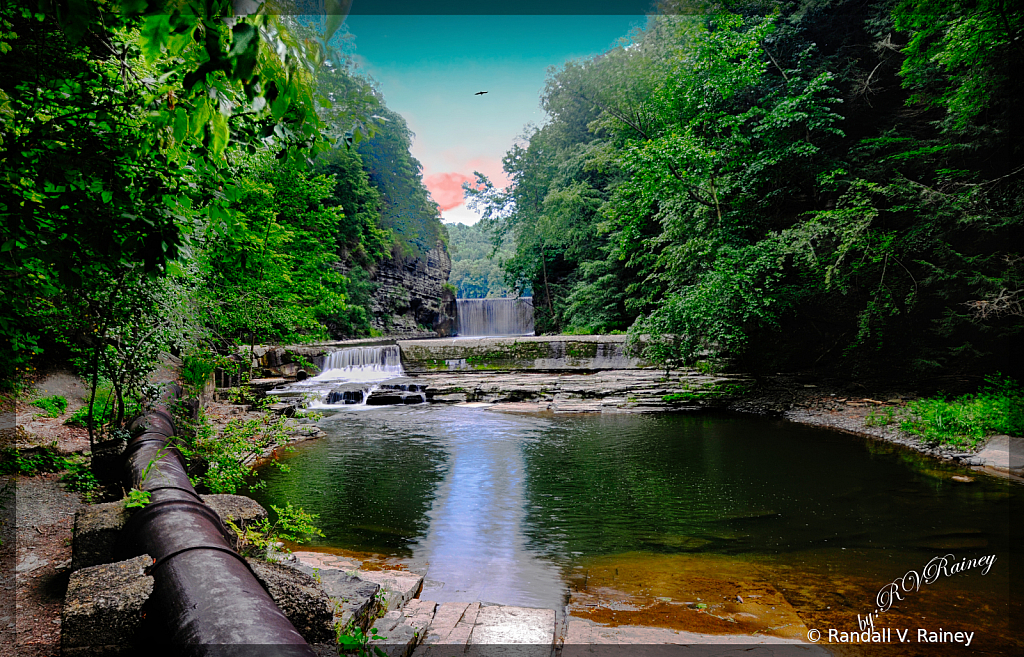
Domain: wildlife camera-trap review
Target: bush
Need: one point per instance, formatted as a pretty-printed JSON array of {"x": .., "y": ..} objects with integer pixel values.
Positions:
[
  {"x": 53, "y": 406},
  {"x": 14, "y": 462},
  {"x": 998, "y": 407},
  {"x": 295, "y": 525},
  {"x": 224, "y": 462},
  {"x": 196, "y": 370},
  {"x": 80, "y": 478},
  {"x": 77, "y": 478}
]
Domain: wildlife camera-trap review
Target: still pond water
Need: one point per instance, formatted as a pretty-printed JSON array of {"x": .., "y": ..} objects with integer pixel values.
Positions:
[{"x": 530, "y": 509}]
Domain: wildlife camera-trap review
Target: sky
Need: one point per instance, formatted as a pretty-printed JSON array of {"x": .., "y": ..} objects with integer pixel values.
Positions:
[{"x": 429, "y": 69}]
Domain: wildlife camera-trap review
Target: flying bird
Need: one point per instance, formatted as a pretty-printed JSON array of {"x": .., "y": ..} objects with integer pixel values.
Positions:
[{"x": 480, "y": 93}]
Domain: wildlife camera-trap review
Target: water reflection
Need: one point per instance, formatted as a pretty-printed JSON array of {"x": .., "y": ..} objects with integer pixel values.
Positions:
[{"x": 475, "y": 549}]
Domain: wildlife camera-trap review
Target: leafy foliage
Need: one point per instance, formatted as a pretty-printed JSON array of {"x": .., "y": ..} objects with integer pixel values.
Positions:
[
  {"x": 77, "y": 475},
  {"x": 137, "y": 499},
  {"x": 223, "y": 461},
  {"x": 406, "y": 207},
  {"x": 476, "y": 266},
  {"x": 742, "y": 184},
  {"x": 182, "y": 179},
  {"x": 290, "y": 524},
  {"x": 272, "y": 276},
  {"x": 31, "y": 464}
]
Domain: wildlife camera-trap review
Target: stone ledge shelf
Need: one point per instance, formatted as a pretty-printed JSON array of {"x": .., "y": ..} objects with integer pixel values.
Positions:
[{"x": 556, "y": 352}]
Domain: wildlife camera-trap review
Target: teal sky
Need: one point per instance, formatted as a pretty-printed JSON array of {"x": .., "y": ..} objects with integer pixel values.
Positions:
[{"x": 430, "y": 67}]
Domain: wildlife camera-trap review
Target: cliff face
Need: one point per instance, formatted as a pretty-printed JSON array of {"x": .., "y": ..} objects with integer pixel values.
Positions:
[{"x": 410, "y": 299}]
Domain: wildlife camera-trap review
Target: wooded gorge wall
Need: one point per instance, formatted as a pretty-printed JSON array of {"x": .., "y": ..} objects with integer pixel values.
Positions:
[{"x": 410, "y": 297}]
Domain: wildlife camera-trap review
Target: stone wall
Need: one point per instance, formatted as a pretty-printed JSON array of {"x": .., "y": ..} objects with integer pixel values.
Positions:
[{"x": 410, "y": 295}]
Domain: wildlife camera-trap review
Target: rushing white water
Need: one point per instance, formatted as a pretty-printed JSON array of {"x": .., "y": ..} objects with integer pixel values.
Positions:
[
  {"x": 362, "y": 364},
  {"x": 348, "y": 376},
  {"x": 492, "y": 317}
]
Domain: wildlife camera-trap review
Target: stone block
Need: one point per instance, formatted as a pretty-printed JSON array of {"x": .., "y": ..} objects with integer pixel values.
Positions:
[
  {"x": 300, "y": 598},
  {"x": 243, "y": 511},
  {"x": 446, "y": 618},
  {"x": 399, "y": 586},
  {"x": 399, "y": 641},
  {"x": 501, "y": 625},
  {"x": 97, "y": 532},
  {"x": 356, "y": 599},
  {"x": 103, "y": 608}
]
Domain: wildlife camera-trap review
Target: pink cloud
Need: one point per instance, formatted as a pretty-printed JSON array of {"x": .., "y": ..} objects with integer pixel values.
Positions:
[
  {"x": 446, "y": 188},
  {"x": 491, "y": 168}
]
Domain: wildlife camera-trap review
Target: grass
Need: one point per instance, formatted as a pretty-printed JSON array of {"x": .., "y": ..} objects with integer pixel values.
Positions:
[
  {"x": 998, "y": 407},
  {"x": 52, "y": 406},
  {"x": 77, "y": 475}
]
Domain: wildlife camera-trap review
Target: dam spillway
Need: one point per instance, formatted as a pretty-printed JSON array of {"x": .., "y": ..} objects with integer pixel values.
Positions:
[{"x": 495, "y": 317}]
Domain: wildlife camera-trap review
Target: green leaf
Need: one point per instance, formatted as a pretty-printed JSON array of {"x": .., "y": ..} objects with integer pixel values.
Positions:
[
  {"x": 75, "y": 22},
  {"x": 242, "y": 35},
  {"x": 155, "y": 31},
  {"x": 219, "y": 133},
  {"x": 336, "y": 11},
  {"x": 180, "y": 124}
]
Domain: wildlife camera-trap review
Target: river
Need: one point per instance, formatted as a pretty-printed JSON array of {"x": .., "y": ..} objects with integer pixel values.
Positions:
[{"x": 620, "y": 515}]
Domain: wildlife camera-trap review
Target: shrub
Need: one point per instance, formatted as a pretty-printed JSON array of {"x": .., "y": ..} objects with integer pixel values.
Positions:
[
  {"x": 81, "y": 479},
  {"x": 196, "y": 370},
  {"x": 48, "y": 460},
  {"x": 998, "y": 407},
  {"x": 226, "y": 460}
]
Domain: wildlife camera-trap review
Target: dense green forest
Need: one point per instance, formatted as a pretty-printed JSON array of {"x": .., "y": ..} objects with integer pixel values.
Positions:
[
  {"x": 477, "y": 272},
  {"x": 189, "y": 181},
  {"x": 186, "y": 182},
  {"x": 822, "y": 183}
]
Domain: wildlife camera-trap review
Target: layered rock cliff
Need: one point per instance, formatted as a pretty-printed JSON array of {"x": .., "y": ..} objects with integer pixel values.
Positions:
[{"x": 410, "y": 299}]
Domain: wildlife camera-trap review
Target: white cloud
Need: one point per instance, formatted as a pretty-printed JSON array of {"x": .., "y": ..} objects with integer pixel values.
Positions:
[{"x": 460, "y": 215}]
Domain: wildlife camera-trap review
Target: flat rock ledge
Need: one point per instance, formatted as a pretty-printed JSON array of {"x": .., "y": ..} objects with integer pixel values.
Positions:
[
  {"x": 586, "y": 638},
  {"x": 609, "y": 391}
]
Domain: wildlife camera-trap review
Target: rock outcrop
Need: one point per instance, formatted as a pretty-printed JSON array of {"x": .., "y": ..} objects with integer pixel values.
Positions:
[{"x": 410, "y": 299}]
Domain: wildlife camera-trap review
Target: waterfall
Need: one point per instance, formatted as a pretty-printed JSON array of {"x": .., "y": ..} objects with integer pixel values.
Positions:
[
  {"x": 362, "y": 364},
  {"x": 491, "y": 317},
  {"x": 349, "y": 376}
]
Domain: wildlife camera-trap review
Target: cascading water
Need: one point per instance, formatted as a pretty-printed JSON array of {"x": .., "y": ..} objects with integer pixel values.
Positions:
[
  {"x": 362, "y": 364},
  {"x": 492, "y": 317},
  {"x": 348, "y": 376}
]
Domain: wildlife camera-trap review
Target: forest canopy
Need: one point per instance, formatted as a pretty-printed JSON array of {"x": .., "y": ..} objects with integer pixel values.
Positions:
[
  {"x": 187, "y": 180},
  {"x": 787, "y": 184},
  {"x": 477, "y": 271}
]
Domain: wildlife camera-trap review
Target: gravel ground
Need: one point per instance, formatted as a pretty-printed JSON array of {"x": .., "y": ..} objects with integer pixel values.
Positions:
[{"x": 35, "y": 555}]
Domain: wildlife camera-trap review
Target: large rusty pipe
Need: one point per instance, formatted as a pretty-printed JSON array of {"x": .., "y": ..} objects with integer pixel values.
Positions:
[{"x": 204, "y": 591}]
